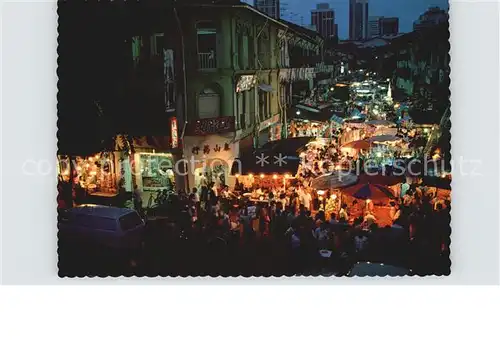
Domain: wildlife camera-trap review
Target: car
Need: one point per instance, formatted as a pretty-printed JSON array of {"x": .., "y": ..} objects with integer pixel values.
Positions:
[
  {"x": 375, "y": 269},
  {"x": 111, "y": 227}
]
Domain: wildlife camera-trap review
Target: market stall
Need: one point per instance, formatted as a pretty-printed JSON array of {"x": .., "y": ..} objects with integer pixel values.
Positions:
[
  {"x": 308, "y": 120},
  {"x": 95, "y": 178},
  {"x": 369, "y": 198}
]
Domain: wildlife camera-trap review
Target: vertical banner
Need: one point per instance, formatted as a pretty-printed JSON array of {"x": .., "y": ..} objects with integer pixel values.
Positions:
[
  {"x": 169, "y": 79},
  {"x": 174, "y": 132}
]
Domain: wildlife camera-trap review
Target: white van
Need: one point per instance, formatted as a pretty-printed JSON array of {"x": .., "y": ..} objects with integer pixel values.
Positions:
[{"x": 111, "y": 227}]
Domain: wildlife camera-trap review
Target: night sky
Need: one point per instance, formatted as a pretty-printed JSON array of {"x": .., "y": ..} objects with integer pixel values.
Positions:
[{"x": 407, "y": 11}]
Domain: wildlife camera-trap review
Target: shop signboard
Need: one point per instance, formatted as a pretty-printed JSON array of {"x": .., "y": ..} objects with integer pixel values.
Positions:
[
  {"x": 174, "y": 132},
  {"x": 208, "y": 126}
]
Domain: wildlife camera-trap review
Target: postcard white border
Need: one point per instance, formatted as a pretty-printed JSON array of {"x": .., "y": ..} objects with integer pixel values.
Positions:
[{"x": 28, "y": 222}]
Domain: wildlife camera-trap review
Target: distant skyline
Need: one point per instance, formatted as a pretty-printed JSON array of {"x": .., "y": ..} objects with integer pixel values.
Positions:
[{"x": 406, "y": 10}]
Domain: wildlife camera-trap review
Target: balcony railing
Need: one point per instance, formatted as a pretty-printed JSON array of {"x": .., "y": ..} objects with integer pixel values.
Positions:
[{"x": 207, "y": 60}]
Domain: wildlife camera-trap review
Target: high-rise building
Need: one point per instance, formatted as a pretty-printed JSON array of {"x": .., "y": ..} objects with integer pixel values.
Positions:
[
  {"x": 433, "y": 16},
  {"x": 389, "y": 25},
  {"x": 374, "y": 26},
  {"x": 269, "y": 7},
  {"x": 379, "y": 26},
  {"x": 358, "y": 19},
  {"x": 323, "y": 17}
]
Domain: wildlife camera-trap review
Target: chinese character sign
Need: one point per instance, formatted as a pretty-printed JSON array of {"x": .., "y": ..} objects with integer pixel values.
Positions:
[
  {"x": 174, "y": 132},
  {"x": 208, "y": 126}
]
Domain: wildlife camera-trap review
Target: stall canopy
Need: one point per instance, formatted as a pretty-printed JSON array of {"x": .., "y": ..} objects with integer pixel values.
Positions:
[
  {"x": 307, "y": 108},
  {"x": 357, "y": 145},
  {"x": 334, "y": 180},
  {"x": 369, "y": 191},
  {"x": 405, "y": 119},
  {"x": 289, "y": 146},
  {"x": 380, "y": 122},
  {"x": 383, "y": 138},
  {"x": 355, "y": 113},
  {"x": 357, "y": 119},
  {"x": 337, "y": 119},
  {"x": 268, "y": 164},
  {"x": 380, "y": 179},
  {"x": 320, "y": 113},
  {"x": 266, "y": 159},
  {"x": 266, "y": 87}
]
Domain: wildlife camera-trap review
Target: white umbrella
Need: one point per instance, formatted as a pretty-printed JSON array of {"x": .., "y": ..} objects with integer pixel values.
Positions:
[
  {"x": 334, "y": 180},
  {"x": 383, "y": 138}
]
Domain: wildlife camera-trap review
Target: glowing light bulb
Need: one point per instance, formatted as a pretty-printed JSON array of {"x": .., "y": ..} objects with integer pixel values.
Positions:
[
  {"x": 262, "y": 175},
  {"x": 275, "y": 176}
]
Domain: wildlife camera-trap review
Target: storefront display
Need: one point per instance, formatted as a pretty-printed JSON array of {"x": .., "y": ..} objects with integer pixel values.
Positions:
[
  {"x": 95, "y": 174},
  {"x": 301, "y": 128},
  {"x": 157, "y": 171}
]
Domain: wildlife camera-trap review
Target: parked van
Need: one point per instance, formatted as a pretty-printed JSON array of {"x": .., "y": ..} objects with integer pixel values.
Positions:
[{"x": 111, "y": 227}]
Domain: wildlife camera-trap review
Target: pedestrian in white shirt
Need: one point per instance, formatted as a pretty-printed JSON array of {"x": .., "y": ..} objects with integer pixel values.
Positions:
[
  {"x": 343, "y": 216},
  {"x": 369, "y": 219},
  {"x": 306, "y": 200}
]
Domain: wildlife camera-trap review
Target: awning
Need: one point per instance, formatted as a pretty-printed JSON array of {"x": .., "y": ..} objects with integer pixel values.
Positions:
[
  {"x": 307, "y": 108},
  {"x": 289, "y": 146},
  {"x": 334, "y": 180},
  {"x": 337, "y": 119},
  {"x": 142, "y": 143},
  {"x": 266, "y": 87},
  {"x": 383, "y": 138},
  {"x": 380, "y": 123},
  {"x": 265, "y": 162}
]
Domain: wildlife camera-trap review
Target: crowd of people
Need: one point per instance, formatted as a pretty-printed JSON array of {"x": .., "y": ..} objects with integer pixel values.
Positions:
[{"x": 294, "y": 221}]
